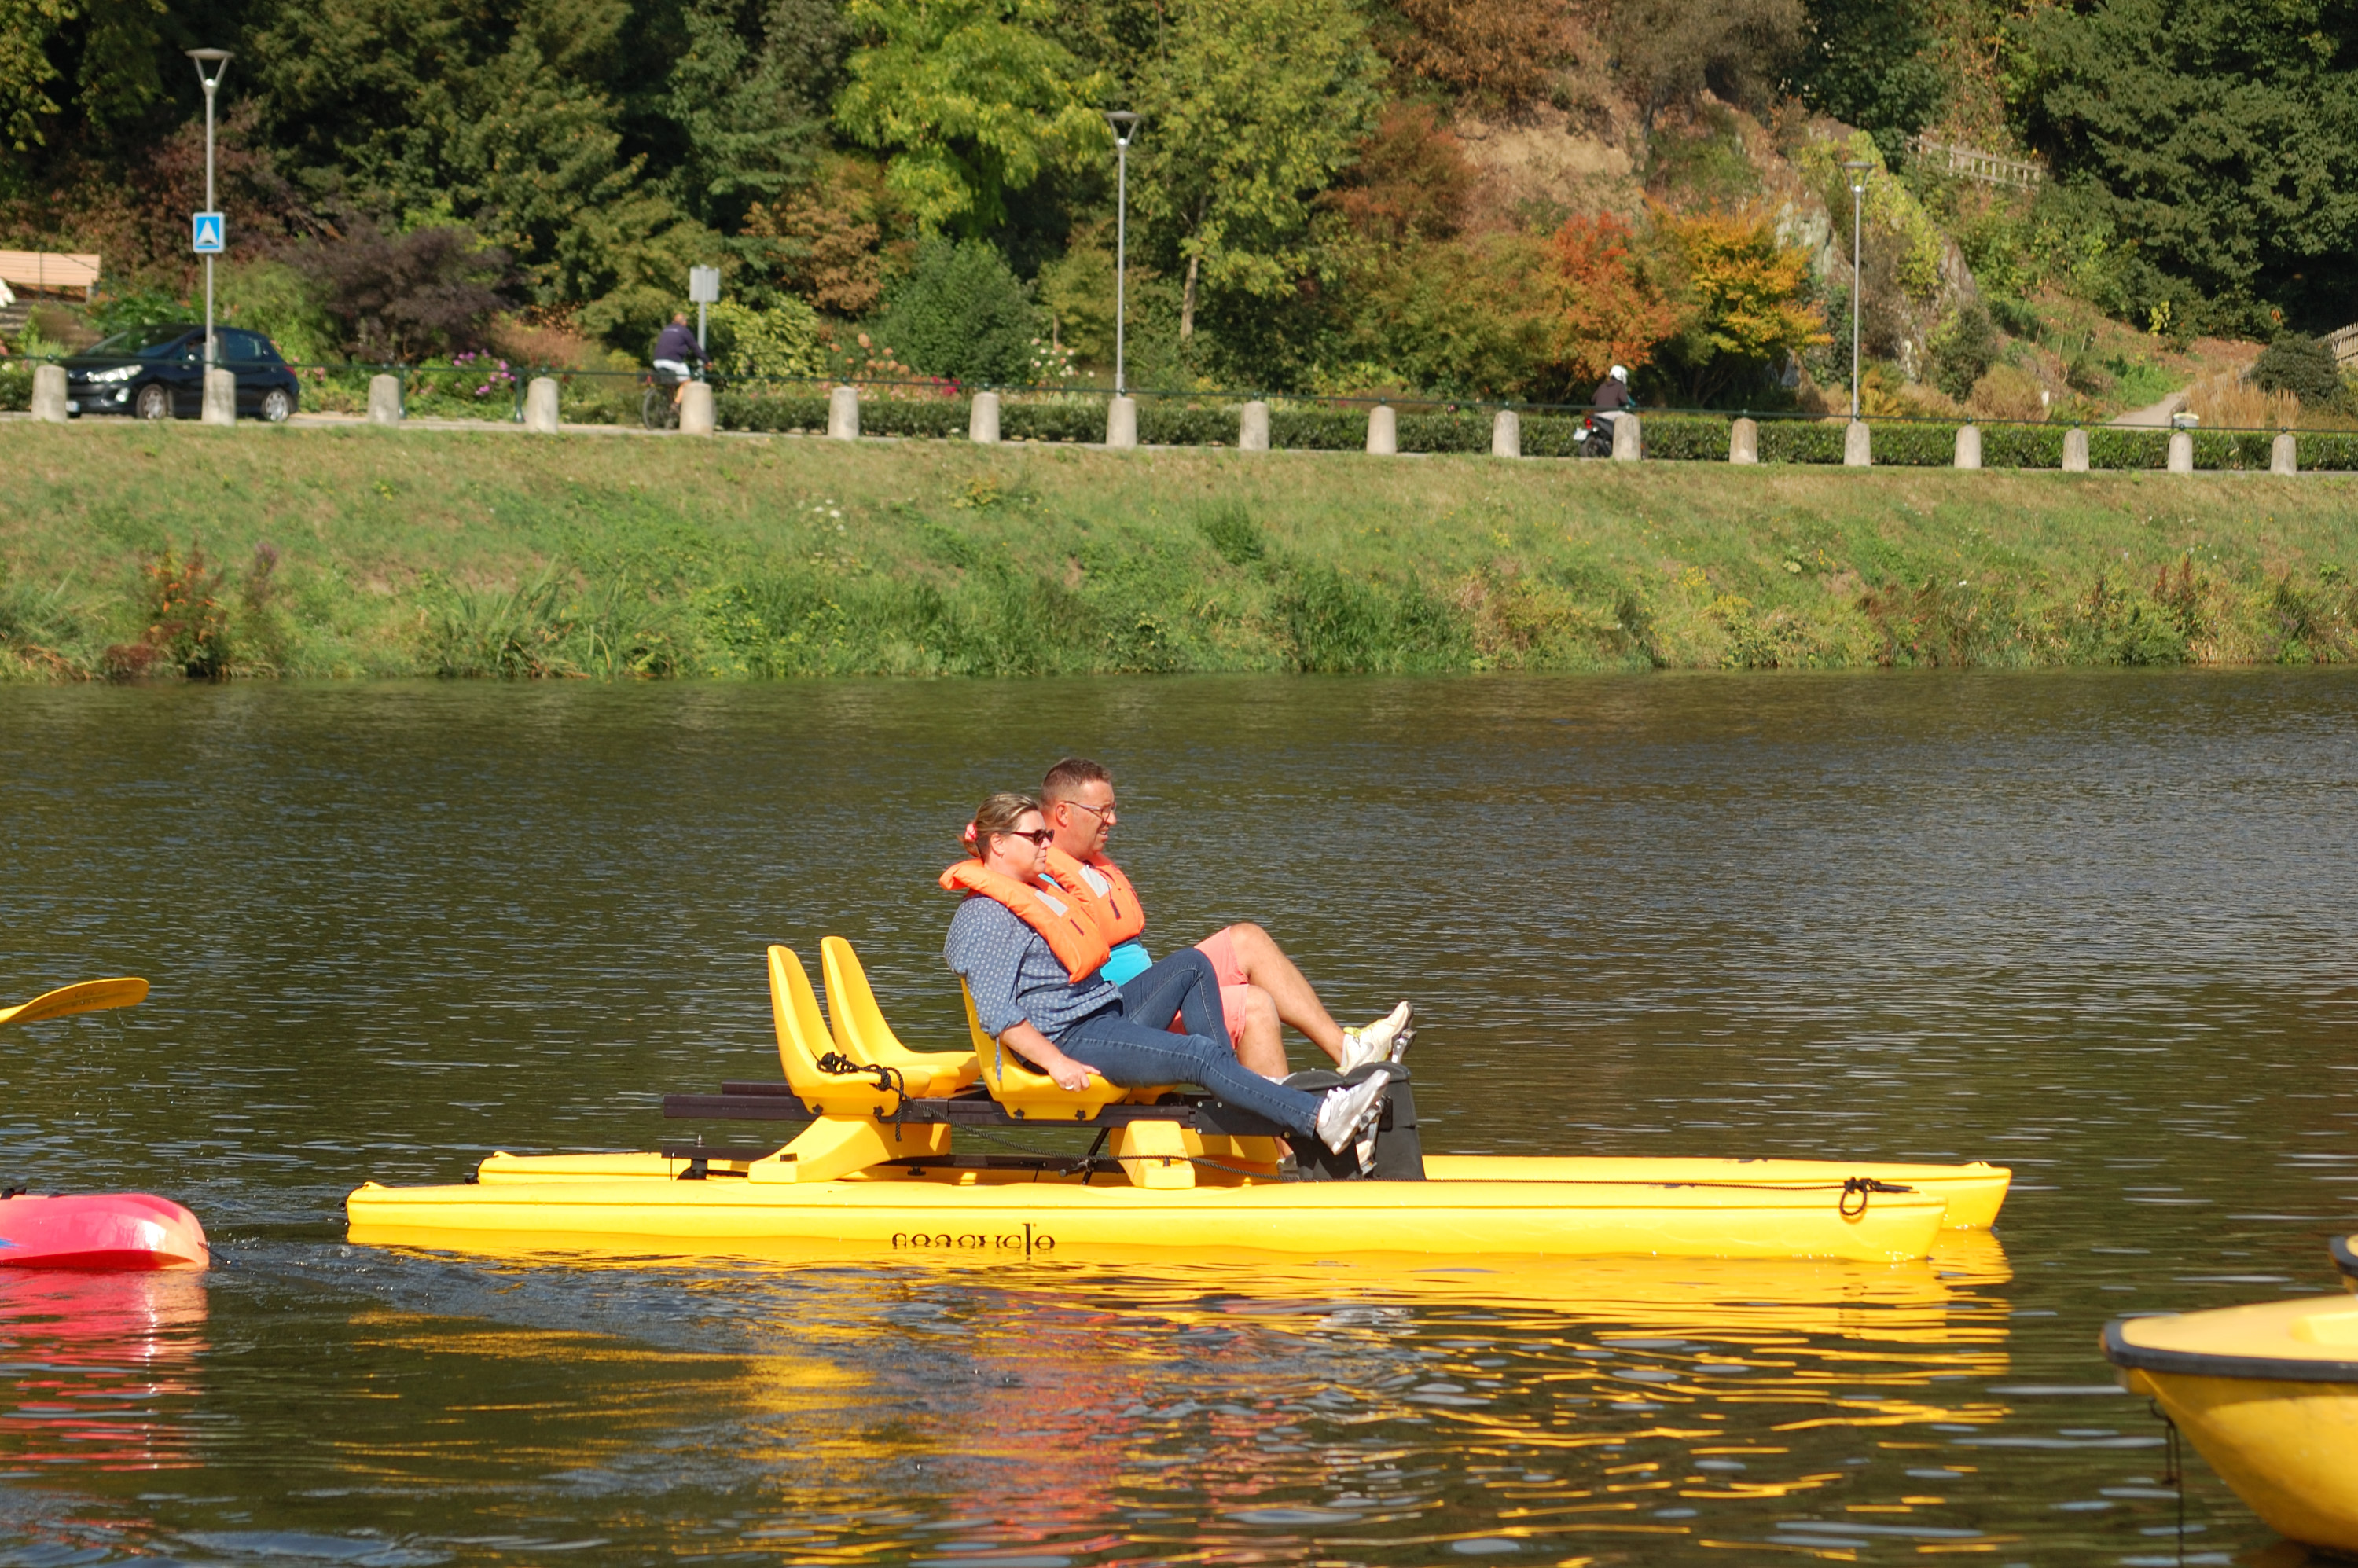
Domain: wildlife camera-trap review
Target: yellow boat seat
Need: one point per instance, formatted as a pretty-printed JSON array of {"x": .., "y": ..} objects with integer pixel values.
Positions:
[
  {"x": 803, "y": 1040},
  {"x": 861, "y": 1033},
  {"x": 1031, "y": 1094}
]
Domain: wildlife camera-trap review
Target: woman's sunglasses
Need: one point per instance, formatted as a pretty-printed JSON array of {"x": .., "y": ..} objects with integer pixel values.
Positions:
[{"x": 1037, "y": 835}]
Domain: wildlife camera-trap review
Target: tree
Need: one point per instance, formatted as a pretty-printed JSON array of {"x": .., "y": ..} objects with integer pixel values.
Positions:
[
  {"x": 1666, "y": 51},
  {"x": 972, "y": 99},
  {"x": 1251, "y": 106},
  {"x": 1410, "y": 180},
  {"x": 107, "y": 49},
  {"x": 1874, "y": 64},
  {"x": 746, "y": 96},
  {"x": 1498, "y": 50},
  {"x": 1613, "y": 312},
  {"x": 399, "y": 295},
  {"x": 2226, "y": 141},
  {"x": 1748, "y": 299}
]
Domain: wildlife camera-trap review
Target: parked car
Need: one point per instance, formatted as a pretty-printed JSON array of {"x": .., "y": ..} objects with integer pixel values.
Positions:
[{"x": 159, "y": 373}]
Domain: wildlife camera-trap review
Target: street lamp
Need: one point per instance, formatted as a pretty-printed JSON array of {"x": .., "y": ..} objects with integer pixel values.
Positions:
[
  {"x": 1123, "y": 121},
  {"x": 218, "y": 60},
  {"x": 1857, "y": 188}
]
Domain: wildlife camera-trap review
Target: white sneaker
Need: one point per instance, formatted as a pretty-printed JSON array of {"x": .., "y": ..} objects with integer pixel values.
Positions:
[
  {"x": 1343, "y": 1114},
  {"x": 1385, "y": 1040}
]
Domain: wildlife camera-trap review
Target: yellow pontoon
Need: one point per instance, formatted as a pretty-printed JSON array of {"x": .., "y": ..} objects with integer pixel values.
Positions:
[
  {"x": 875, "y": 1171},
  {"x": 2269, "y": 1394}
]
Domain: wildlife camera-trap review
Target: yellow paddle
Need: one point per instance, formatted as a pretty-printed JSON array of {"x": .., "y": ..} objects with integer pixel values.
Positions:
[{"x": 85, "y": 996}]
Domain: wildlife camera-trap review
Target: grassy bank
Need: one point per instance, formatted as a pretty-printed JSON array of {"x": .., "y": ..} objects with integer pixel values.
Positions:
[{"x": 135, "y": 550}]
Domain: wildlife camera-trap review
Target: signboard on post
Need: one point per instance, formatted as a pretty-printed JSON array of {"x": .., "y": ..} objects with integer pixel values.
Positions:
[
  {"x": 207, "y": 233},
  {"x": 704, "y": 286}
]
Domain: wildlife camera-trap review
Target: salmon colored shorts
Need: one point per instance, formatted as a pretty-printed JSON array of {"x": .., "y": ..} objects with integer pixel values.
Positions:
[{"x": 1222, "y": 951}]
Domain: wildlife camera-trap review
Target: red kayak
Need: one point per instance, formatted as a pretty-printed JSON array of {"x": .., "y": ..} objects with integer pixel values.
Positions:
[{"x": 101, "y": 1230}]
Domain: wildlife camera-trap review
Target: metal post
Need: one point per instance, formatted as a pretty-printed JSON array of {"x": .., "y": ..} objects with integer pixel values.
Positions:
[
  {"x": 219, "y": 59},
  {"x": 1857, "y": 189},
  {"x": 1123, "y": 121},
  {"x": 700, "y": 308}
]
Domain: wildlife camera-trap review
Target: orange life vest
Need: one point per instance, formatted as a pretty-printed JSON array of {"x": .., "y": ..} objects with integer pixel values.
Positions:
[
  {"x": 1073, "y": 936},
  {"x": 1117, "y": 913}
]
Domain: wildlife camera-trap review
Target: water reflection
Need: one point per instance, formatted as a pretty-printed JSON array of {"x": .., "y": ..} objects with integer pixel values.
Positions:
[{"x": 101, "y": 1370}]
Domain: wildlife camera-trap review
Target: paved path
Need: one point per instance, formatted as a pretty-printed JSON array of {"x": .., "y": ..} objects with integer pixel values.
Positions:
[{"x": 2154, "y": 418}]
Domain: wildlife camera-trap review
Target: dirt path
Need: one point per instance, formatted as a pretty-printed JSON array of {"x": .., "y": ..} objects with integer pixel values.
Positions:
[{"x": 2156, "y": 417}]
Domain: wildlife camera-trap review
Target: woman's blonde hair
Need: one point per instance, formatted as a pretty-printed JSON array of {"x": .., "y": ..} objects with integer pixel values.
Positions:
[{"x": 1000, "y": 814}]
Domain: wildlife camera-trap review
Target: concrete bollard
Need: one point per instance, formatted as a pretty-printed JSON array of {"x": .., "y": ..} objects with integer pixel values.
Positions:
[
  {"x": 2181, "y": 451},
  {"x": 1628, "y": 440},
  {"x": 695, "y": 408},
  {"x": 843, "y": 414},
  {"x": 385, "y": 400},
  {"x": 1507, "y": 434},
  {"x": 983, "y": 419},
  {"x": 49, "y": 393},
  {"x": 1121, "y": 423},
  {"x": 1383, "y": 430},
  {"x": 220, "y": 405},
  {"x": 2075, "y": 451},
  {"x": 1743, "y": 442},
  {"x": 540, "y": 407},
  {"x": 1252, "y": 427},
  {"x": 1859, "y": 445},
  {"x": 2283, "y": 457},
  {"x": 1969, "y": 446}
]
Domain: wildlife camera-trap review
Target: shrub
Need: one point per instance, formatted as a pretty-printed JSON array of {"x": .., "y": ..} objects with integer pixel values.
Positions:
[
  {"x": 16, "y": 386},
  {"x": 2024, "y": 447},
  {"x": 2302, "y": 366},
  {"x": 402, "y": 297},
  {"x": 1801, "y": 441},
  {"x": 1667, "y": 437},
  {"x": 760, "y": 408},
  {"x": 2007, "y": 392},
  {"x": 1164, "y": 423},
  {"x": 1058, "y": 421},
  {"x": 939, "y": 417},
  {"x": 1964, "y": 349},
  {"x": 781, "y": 341},
  {"x": 962, "y": 313},
  {"x": 1558, "y": 436}
]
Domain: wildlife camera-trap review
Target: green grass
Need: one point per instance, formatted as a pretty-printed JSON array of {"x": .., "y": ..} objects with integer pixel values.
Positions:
[{"x": 358, "y": 553}]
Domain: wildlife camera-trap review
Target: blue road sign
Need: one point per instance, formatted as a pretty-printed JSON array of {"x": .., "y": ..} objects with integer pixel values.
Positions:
[{"x": 207, "y": 234}]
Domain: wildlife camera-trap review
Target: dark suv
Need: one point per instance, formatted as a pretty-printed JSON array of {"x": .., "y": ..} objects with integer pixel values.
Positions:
[{"x": 159, "y": 373}]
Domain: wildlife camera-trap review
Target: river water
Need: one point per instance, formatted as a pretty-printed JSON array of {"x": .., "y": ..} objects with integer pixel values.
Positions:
[{"x": 2096, "y": 926}]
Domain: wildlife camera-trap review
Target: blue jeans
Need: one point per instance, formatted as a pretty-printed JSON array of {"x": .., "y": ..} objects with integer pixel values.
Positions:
[{"x": 1131, "y": 1044}]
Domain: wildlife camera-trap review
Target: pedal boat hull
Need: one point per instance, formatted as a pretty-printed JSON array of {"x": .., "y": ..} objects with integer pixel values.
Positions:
[
  {"x": 100, "y": 1230},
  {"x": 1475, "y": 1208},
  {"x": 2268, "y": 1396}
]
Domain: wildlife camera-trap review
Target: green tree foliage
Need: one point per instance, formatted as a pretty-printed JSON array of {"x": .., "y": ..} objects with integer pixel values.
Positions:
[
  {"x": 962, "y": 313},
  {"x": 1874, "y": 64},
  {"x": 972, "y": 98},
  {"x": 2225, "y": 138},
  {"x": 781, "y": 340},
  {"x": 1963, "y": 348},
  {"x": 746, "y": 102},
  {"x": 1251, "y": 107},
  {"x": 100, "y": 55}
]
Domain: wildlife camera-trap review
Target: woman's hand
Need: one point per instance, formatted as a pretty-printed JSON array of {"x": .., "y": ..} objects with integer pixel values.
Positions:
[{"x": 1034, "y": 1047}]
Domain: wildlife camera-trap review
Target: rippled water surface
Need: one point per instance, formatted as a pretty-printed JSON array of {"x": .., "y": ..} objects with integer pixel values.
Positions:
[{"x": 2096, "y": 927}]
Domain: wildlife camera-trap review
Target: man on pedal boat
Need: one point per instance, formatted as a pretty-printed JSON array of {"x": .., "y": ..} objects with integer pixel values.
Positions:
[
  {"x": 1032, "y": 962},
  {"x": 1260, "y": 986}
]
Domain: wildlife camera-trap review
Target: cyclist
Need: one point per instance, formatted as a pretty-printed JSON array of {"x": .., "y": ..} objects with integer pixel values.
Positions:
[{"x": 677, "y": 350}]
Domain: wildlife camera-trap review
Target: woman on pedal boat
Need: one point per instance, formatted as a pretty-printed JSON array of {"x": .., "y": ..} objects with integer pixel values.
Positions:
[{"x": 1030, "y": 960}]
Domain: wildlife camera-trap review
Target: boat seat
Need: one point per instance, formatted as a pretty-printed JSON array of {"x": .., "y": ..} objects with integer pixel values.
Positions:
[
  {"x": 861, "y": 1033},
  {"x": 803, "y": 1039},
  {"x": 1031, "y": 1094}
]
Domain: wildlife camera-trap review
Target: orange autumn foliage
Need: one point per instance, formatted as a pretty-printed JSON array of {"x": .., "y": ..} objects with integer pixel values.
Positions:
[
  {"x": 1612, "y": 312},
  {"x": 1749, "y": 293}
]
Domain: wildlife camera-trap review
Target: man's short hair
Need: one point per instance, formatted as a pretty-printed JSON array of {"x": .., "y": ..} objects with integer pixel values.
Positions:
[{"x": 1065, "y": 780}]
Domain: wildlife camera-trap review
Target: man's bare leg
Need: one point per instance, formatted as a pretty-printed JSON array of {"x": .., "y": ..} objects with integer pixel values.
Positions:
[
  {"x": 1260, "y": 1044},
  {"x": 1266, "y": 966}
]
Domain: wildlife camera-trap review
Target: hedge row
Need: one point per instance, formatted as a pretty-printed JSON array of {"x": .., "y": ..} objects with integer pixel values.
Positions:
[
  {"x": 16, "y": 388},
  {"x": 1668, "y": 436}
]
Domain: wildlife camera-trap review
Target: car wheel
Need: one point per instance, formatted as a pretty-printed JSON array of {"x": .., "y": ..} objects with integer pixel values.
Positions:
[
  {"x": 155, "y": 402},
  {"x": 277, "y": 405}
]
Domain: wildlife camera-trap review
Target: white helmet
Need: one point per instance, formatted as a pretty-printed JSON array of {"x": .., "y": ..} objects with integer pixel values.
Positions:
[{"x": 1620, "y": 372}]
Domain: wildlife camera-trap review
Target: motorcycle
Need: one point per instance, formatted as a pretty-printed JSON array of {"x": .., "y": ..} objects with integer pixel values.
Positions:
[{"x": 1597, "y": 431}]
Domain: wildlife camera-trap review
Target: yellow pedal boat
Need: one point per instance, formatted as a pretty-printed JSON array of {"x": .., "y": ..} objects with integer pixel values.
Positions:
[
  {"x": 875, "y": 1169},
  {"x": 2268, "y": 1395}
]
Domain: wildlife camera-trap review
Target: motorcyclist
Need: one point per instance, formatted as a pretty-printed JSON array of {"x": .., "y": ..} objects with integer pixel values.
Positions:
[
  {"x": 677, "y": 351},
  {"x": 1611, "y": 402}
]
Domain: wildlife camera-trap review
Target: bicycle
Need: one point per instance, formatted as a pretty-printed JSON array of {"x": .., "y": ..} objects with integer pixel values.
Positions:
[{"x": 658, "y": 406}]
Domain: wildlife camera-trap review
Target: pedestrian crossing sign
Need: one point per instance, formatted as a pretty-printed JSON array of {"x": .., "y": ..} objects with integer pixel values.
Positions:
[{"x": 207, "y": 233}]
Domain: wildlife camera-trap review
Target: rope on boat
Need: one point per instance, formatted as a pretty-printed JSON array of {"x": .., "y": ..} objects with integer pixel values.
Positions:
[{"x": 888, "y": 1080}]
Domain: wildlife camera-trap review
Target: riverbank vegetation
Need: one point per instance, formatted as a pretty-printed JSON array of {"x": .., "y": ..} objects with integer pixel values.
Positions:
[
  {"x": 1451, "y": 199},
  {"x": 161, "y": 552}
]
